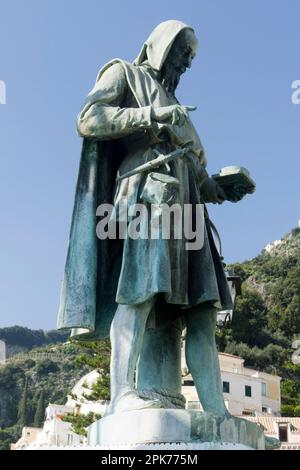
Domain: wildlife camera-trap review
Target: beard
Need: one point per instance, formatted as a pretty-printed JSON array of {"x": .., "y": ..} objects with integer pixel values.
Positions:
[{"x": 170, "y": 77}]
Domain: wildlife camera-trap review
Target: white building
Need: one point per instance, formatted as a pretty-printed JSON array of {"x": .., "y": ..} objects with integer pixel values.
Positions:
[
  {"x": 270, "y": 246},
  {"x": 2, "y": 352},
  {"x": 29, "y": 435},
  {"x": 78, "y": 399},
  {"x": 247, "y": 392},
  {"x": 252, "y": 395},
  {"x": 56, "y": 431},
  {"x": 286, "y": 430}
]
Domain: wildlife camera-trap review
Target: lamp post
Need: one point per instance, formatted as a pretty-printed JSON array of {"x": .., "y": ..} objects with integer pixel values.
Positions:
[{"x": 225, "y": 316}]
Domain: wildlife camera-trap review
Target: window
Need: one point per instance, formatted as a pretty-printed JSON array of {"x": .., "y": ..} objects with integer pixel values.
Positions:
[
  {"x": 264, "y": 389},
  {"x": 248, "y": 413},
  {"x": 188, "y": 383},
  {"x": 226, "y": 387},
  {"x": 283, "y": 432},
  {"x": 248, "y": 391},
  {"x": 264, "y": 409}
]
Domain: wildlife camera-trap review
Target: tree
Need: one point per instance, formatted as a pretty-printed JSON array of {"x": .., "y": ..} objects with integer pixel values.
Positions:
[
  {"x": 46, "y": 366},
  {"x": 40, "y": 411},
  {"x": 288, "y": 410},
  {"x": 56, "y": 386},
  {"x": 249, "y": 318},
  {"x": 28, "y": 339},
  {"x": 23, "y": 409},
  {"x": 95, "y": 355},
  {"x": 81, "y": 422},
  {"x": 285, "y": 303}
]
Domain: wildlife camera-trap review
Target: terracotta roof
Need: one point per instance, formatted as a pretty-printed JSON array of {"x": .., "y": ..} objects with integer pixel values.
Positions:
[
  {"x": 231, "y": 355},
  {"x": 269, "y": 423}
]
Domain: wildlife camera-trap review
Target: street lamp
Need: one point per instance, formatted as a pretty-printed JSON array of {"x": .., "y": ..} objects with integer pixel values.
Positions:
[
  {"x": 234, "y": 282},
  {"x": 225, "y": 316}
]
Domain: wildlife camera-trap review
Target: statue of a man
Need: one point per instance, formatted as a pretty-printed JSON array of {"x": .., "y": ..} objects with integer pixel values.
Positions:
[{"x": 138, "y": 290}]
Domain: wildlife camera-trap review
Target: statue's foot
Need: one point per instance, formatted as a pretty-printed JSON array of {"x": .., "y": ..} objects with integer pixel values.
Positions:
[
  {"x": 272, "y": 443},
  {"x": 130, "y": 401}
]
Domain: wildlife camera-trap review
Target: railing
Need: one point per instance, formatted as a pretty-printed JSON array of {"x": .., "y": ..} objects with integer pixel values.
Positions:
[
  {"x": 287, "y": 446},
  {"x": 35, "y": 356}
]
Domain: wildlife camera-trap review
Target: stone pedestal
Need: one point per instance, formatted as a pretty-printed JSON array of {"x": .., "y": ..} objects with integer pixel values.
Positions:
[{"x": 171, "y": 426}]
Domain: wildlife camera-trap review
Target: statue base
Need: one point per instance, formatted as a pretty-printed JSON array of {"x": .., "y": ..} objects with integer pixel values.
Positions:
[{"x": 166, "y": 427}]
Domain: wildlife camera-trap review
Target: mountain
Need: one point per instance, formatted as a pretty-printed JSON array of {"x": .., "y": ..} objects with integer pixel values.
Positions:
[
  {"x": 275, "y": 275},
  {"x": 51, "y": 371},
  {"x": 20, "y": 339},
  {"x": 266, "y": 318}
]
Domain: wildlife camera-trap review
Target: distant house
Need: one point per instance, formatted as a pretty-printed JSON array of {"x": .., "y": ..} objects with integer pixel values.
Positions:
[
  {"x": 247, "y": 392},
  {"x": 287, "y": 430},
  {"x": 270, "y": 246},
  {"x": 2, "y": 352},
  {"x": 29, "y": 435},
  {"x": 57, "y": 432},
  {"x": 252, "y": 395}
]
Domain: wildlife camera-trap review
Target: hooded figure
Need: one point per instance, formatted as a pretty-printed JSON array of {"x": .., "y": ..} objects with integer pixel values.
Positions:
[{"x": 119, "y": 135}]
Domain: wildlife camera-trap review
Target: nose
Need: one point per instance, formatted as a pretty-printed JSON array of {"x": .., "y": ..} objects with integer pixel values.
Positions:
[{"x": 188, "y": 62}]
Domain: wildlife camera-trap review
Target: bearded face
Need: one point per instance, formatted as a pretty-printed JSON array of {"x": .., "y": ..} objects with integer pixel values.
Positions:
[{"x": 179, "y": 59}]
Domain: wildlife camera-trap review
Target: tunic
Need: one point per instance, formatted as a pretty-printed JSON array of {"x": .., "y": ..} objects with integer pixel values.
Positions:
[{"x": 155, "y": 266}]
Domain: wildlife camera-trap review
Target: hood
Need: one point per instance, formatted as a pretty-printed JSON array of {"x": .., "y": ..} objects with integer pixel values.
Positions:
[{"x": 159, "y": 43}]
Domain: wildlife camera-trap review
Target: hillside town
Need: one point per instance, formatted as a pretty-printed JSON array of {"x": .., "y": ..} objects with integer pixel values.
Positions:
[{"x": 248, "y": 394}]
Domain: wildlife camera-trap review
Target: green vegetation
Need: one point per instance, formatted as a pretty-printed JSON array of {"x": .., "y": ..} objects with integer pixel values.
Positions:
[
  {"x": 23, "y": 409},
  {"x": 81, "y": 422},
  {"x": 9, "y": 435},
  {"x": 19, "y": 338},
  {"x": 39, "y": 416},
  {"x": 95, "y": 355},
  {"x": 27, "y": 387},
  {"x": 266, "y": 319}
]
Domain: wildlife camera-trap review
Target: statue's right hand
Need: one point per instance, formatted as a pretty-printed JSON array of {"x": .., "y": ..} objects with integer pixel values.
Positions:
[
  {"x": 175, "y": 114},
  {"x": 212, "y": 192}
]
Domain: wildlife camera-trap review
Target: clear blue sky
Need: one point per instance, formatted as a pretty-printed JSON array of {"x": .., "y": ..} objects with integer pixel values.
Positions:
[{"x": 50, "y": 52}]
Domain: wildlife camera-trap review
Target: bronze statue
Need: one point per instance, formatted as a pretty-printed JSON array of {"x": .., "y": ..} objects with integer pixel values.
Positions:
[{"x": 144, "y": 292}]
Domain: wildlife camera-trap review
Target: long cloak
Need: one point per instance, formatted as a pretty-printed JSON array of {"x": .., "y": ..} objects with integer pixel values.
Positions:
[{"x": 93, "y": 266}]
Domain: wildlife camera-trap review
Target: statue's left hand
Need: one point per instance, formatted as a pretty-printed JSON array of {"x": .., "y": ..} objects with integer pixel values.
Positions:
[
  {"x": 211, "y": 191},
  {"x": 235, "y": 194}
]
